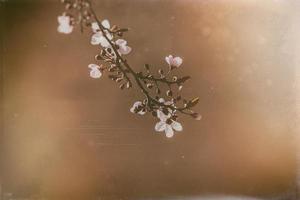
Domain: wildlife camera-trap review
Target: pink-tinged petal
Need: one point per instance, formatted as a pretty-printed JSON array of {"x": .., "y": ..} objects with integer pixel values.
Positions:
[
  {"x": 137, "y": 103},
  {"x": 106, "y": 24},
  {"x": 176, "y": 126},
  {"x": 95, "y": 27},
  {"x": 125, "y": 50},
  {"x": 96, "y": 38},
  {"x": 93, "y": 66},
  {"x": 121, "y": 42},
  {"x": 177, "y": 61},
  {"x": 169, "y": 131},
  {"x": 95, "y": 73},
  {"x": 169, "y": 59},
  {"x": 160, "y": 126}
]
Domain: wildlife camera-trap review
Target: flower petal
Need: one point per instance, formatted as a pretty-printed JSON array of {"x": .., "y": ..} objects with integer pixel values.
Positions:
[
  {"x": 137, "y": 103},
  {"x": 96, "y": 38},
  {"x": 63, "y": 19},
  {"x": 66, "y": 29},
  {"x": 132, "y": 109},
  {"x": 106, "y": 24},
  {"x": 108, "y": 35},
  {"x": 169, "y": 131},
  {"x": 160, "y": 126},
  {"x": 142, "y": 112},
  {"x": 169, "y": 59},
  {"x": 121, "y": 42},
  {"x": 176, "y": 126},
  {"x": 161, "y": 100},
  {"x": 95, "y": 27},
  {"x": 177, "y": 61},
  {"x": 161, "y": 116},
  {"x": 95, "y": 73},
  {"x": 93, "y": 66},
  {"x": 125, "y": 50},
  {"x": 104, "y": 42}
]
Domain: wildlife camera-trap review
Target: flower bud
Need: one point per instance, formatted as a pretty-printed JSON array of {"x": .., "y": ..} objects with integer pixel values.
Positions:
[
  {"x": 120, "y": 34},
  {"x": 169, "y": 93},
  {"x": 118, "y": 80},
  {"x": 196, "y": 116},
  {"x": 98, "y": 57},
  {"x": 149, "y": 85},
  {"x": 103, "y": 53},
  {"x": 109, "y": 50},
  {"x": 122, "y": 86},
  {"x": 161, "y": 72},
  {"x": 128, "y": 85},
  {"x": 68, "y": 6}
]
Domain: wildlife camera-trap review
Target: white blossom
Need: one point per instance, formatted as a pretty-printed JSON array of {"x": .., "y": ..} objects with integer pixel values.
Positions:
[
  {"x": 167, "y": 103},
  {"x": 167, "y": 124},
  {"x": 95, "y": 71},
  {"x": 137, "y": 108},
  {"x": 98, "y": 37},
  {"x": 174, "y": 62},
  {"x": 162, "y": 100},
  {"x": 64, "y": 24},
  {"x": 123, "y": 48}
]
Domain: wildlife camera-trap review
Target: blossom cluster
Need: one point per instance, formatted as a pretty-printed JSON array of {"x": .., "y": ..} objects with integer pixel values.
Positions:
[{"x": 163, "y": 104}]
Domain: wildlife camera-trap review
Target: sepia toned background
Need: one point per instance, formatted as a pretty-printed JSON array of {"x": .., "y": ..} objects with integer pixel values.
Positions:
[{"x": 67, "y": 136}]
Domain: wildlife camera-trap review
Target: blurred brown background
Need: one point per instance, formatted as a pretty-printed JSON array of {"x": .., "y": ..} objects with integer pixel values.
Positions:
[{"x": 67, "y": 135}]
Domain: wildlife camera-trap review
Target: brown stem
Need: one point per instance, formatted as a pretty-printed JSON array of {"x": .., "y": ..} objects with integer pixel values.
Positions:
[{"x": 135, "y": 75}]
